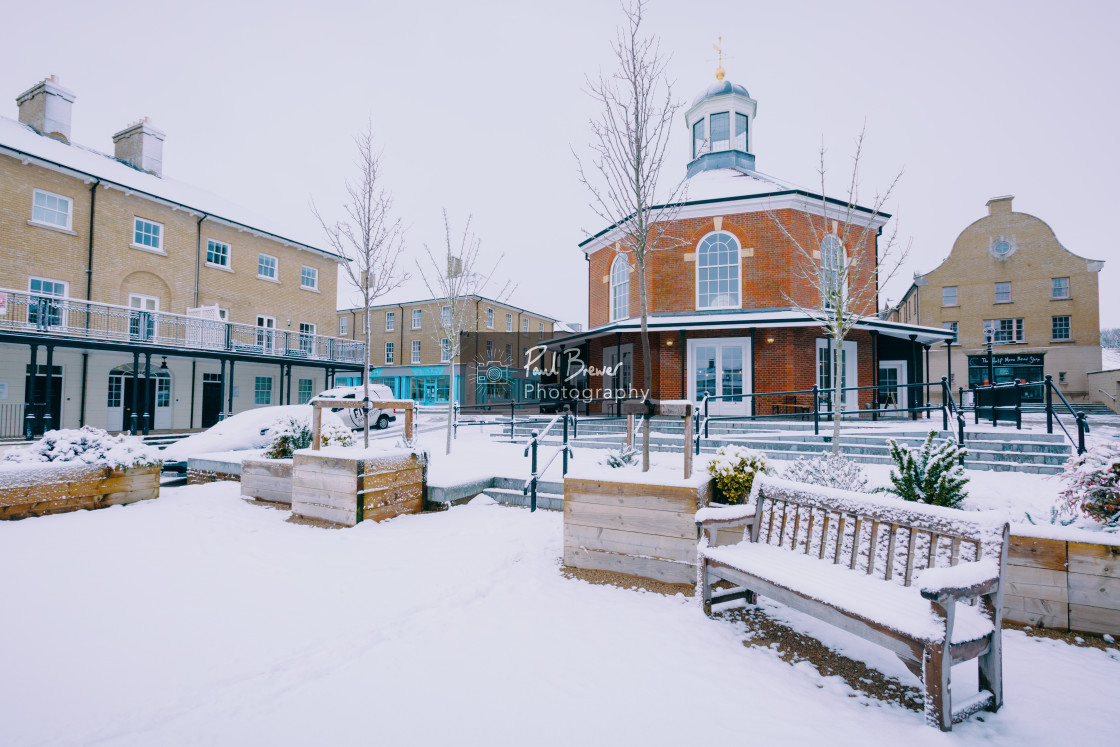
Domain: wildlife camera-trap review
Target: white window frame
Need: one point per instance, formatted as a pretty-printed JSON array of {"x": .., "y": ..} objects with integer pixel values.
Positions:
[
  {"x": 1068, "y": 293},
  {"x": 719, "y": 406},
  {"x": 444, "y": 350},
  {"x": 50, "y": 224},
  {"x": 1069, "y": 327},
  {"x": 390, "y": 353},
  {"x": 266, "y": 334},
  {"x": 489, "y": 318},
  {"x": 509, "y": 322},
  {"x": 228, "y": 264},
  {"x": 390, "y": 321},
  {"x": 258, "y": 390},
  {"x": 304, "y": 395},
  {"x": 1018, "y": 331},
  {"x": 954, "y": 327},
  {"x": 997, "y": 292},
  {"x": 343, "y": 326},
  {"x": 737, "y": 265},
  {"x": 946, "y": 296},
  {"x": 307, "y": 332},
  {"x": 620, "y": 289},
  {"x": 833, "y": 260},
  {"x": 445, "y": 315},
  {"x": 275, "y": 276},
  {"x": 417, "y": 318},
  {"x": 136, "y": 224},
  {"x": 849, "y": 377},
  {"x": 415, "y": 352},
  {"x": 40, "y": 294},
  {"x": 306, "y": 271},
  {"x": 524, "y": 326}
]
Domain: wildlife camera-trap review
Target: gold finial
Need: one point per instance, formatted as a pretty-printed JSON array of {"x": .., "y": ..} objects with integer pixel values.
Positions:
[{"x": 718, "y": 46}]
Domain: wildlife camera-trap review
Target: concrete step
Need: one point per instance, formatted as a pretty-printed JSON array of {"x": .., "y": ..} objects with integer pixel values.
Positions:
[{"x": 553, "y": 501}]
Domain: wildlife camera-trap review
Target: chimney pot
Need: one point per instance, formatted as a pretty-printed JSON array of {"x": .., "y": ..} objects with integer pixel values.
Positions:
[{"x": 45, "y": 107}]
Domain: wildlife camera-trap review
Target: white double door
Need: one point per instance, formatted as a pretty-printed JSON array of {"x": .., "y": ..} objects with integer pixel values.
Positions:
[
  {"x": 720, "y": 368},
  {"x": 849, "y": 374}
]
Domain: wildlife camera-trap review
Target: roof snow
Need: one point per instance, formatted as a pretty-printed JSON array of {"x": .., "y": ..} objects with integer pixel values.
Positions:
[{"x": 21, "y": 141}]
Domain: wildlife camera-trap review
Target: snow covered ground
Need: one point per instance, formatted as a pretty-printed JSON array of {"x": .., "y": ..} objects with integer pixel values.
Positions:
[{"x": 199, "y": 618}]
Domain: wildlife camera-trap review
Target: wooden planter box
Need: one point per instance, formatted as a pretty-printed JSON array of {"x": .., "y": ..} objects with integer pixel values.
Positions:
[
  {"x": 267, "y": 480},
  {"x": 54, "y": 489},
  {"x": 632, "y": 528},
  {"x": 1064, "y": 585},
  {"x": 368, "y": 486}
]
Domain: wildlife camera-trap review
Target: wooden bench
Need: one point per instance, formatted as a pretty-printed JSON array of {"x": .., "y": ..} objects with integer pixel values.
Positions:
[{"x": 853, "y": 560}]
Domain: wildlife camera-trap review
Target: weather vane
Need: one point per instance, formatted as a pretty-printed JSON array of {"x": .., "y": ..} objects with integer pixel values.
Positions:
[{"x": 718, "y": 47}]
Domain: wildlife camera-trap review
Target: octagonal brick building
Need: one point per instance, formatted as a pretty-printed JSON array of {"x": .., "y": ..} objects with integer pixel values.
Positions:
[{"x": 727, "y": 292}]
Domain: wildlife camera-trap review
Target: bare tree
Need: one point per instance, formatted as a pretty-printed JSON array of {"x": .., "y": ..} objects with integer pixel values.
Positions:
[
  {"x": 453, "y": 276},
  {"x": 369, "y": 239},
  {"x": 628, "y": 142},
  {"x": 844, "y": 267}
]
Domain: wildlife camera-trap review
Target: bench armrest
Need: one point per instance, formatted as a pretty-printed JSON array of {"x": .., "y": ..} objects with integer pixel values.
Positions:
[
  {"x": 964, "y": 581},
  {"x": 719, "y": 517}
]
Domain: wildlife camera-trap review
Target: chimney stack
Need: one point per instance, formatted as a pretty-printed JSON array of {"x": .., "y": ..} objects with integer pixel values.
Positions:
[
  {"x": 45, "y": 107},
  {"x": 140, "y": 145},
  {"x": 1000, "y": 205}
]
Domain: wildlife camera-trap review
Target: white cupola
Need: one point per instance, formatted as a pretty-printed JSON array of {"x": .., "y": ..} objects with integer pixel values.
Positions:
[{"x": 721, "y": 127}]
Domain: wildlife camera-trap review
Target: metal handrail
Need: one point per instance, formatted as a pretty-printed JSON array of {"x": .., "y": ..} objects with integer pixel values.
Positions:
[
  {"x": 530, "y": 487},
  {"x": 76, "y": 318},
  {"x": 1107, "y": 394}
]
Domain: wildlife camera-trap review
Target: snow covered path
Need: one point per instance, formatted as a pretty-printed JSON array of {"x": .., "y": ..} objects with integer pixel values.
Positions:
[{"x": 198, "y": 618}]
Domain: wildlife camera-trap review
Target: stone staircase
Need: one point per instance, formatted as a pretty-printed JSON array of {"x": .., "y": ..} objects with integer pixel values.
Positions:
[{"x": 1002, "y": 450}]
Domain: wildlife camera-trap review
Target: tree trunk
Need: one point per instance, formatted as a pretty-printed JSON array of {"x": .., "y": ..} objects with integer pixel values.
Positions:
[
  {"x": 647, "y": 364},
  {"x": 837, "y": 392},
  {"x": 365, "y": 376},
  {"x": 450, "y": 404}
]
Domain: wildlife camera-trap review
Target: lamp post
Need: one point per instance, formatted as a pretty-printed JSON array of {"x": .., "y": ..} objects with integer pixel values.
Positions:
[{"x": 989, "y": 333}]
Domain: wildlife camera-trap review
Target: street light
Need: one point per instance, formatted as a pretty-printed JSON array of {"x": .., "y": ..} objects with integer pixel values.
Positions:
[{"x": 989, "y": 333}]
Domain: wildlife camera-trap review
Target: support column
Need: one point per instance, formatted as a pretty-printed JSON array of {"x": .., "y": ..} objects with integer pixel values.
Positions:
[
  {"x": 147, "y": 392},
  {"x": 30, "y": 396},
  {"x": 875, "y": 374},
  {"x": 289, "y": 383},
  {"x": 48, "y": 418},
  {"x": 229, "y": 402},
  {"x": 222, "y": 391},
  {"x": 925, "y": 378},
  {"x": 135, "y": 393},
  {"x": 280, "y": 393},
  {"x": 684, "y": 364}
]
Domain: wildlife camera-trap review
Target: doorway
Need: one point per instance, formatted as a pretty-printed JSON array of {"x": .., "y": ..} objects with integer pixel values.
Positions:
[
  {"x": 719, "y": 367},
  {"x": 211, "y": 398},
  {"x": 891, "y": 392},
  {"x": 41, "y": 407},
  {"x": 119, "y": 400}
]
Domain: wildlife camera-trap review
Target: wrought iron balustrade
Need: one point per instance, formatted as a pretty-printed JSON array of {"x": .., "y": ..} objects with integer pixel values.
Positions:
[{"x": 50, "y": 316}]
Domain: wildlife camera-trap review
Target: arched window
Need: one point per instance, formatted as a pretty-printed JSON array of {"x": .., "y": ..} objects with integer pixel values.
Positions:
[
  {"x": 620, "y": 289},
  {"x": 832, "y": 271},
  {"x": 717, "y": 272}
]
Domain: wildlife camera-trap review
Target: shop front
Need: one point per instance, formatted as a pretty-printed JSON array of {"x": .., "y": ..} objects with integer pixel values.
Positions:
[{"x": 1006, "y": 369}]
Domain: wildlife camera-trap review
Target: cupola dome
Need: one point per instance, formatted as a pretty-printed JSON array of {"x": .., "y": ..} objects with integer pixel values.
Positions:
[{"x": 721, "y": 126}]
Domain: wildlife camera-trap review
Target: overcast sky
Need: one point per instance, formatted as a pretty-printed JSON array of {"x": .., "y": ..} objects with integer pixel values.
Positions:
[{"x": 479, "y": 105}]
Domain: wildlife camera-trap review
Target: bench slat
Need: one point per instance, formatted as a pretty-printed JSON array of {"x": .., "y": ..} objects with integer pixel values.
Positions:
[
  {"x": 910, "y": 546},
  {"x": 824, "y": 533},
  {"x": 955, "y": 552},
  {"x": 796, "y": 527},
  {"x": 931, "y": 561},
  {"x": 809, "y": 535},
  {"x": 889, "y": 570},
  {"x": 839, "y": 539},
  {"x": 855, "y": 543},
  {"x": 873, "y": 549}
]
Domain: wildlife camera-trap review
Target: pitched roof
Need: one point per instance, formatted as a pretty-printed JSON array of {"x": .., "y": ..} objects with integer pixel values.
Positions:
[{"x": 22, "y": 142}]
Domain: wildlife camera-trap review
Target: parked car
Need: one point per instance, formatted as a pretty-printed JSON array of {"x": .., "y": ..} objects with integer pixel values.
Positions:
[{"x": 377, "y": 418}]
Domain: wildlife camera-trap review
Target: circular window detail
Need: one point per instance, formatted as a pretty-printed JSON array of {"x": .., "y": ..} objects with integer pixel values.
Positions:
[{"x": 1001, "y": 248}]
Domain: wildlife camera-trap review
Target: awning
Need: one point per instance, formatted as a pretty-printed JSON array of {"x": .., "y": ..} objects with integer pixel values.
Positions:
[{"x": 768, "y": 318}]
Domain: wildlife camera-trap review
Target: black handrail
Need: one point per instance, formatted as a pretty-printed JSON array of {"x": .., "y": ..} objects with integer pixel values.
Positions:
[
  {"x": 1049, "y": 390},
  {"x": 531, "y": 448}
]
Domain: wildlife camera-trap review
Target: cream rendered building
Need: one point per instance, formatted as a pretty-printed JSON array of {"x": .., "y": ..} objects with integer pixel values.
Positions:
[{"x": 1008, "y": 272}]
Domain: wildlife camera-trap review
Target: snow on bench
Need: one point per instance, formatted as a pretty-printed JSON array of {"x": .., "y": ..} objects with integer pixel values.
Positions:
[{"x": 886, "y": 570}]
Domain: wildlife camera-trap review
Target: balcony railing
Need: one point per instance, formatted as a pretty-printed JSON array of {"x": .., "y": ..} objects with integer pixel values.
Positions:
[{"x": 71, "y": 318}]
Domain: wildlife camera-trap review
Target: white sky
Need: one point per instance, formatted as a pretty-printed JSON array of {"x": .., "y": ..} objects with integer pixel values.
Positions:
[{"x": 478, "y": 106}]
